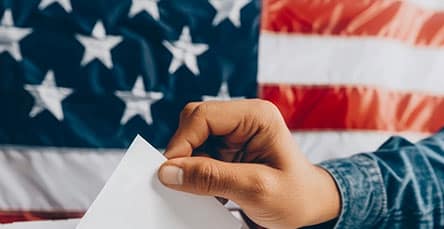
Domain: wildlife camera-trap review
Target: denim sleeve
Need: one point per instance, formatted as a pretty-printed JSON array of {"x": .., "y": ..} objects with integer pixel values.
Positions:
[{"x": 398, "y": 186}]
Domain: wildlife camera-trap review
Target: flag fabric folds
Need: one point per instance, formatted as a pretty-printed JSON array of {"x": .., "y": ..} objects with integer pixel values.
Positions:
[{"x": 79, "y": 79}]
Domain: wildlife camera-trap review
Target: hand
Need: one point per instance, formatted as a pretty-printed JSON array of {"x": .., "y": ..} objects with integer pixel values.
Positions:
[{"x": 248, "y": 155}]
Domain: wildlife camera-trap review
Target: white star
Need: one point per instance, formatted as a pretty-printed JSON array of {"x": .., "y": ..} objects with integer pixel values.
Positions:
[
  {"x": 10, "y": 36},
  {"x": 185, "y": 52},
  {"x": 48, "y": 96},
  {"x": 99, "y": 46},
  {"x": 223, "y": 95},
  {"x": 65, "y": 4},
  {"x": 138, "y": 102},
  {"x": 149, "y": 6},
  {"x": 230, "y": 9}
]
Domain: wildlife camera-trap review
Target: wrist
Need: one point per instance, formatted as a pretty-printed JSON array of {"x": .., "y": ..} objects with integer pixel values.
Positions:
[{"x": 325, "y": 199}]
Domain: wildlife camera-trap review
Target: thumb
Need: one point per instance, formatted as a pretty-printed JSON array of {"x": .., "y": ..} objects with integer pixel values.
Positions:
[{"x": 240, "y": 182}]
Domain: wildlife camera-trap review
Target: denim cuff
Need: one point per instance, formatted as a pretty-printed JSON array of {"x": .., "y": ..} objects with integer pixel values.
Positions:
[{"x": 361, "y": 186}]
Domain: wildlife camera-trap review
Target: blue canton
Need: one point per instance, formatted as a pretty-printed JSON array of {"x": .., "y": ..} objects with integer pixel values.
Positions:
[{"x": 93, "y": 74}]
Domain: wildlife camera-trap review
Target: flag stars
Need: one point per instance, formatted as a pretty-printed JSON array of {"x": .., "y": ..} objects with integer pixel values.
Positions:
[
  {"x": 138, "y": 102},
  {"x": 7, "y": 19},
  {"x": 228, "y": 9},
  {"x": 185, "y": 52},
  {"x": 98, "y": 46},
  {"x": 10, "y": 36},
  {"x": 148, "y": 6},
  {"x": 223, "y": 94},
  {"x": 65, "y": 4},
  {"x": 47, "y": 96}
]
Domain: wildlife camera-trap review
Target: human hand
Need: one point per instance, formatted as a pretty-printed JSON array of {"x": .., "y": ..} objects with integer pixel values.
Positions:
[{"x": 248, "y": 155}]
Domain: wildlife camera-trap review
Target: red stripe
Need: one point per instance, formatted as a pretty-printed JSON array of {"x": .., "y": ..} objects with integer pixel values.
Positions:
[
  {"x": 20, "y": 216},
  {"x": 355, "y": 108},
  {"x": 395, "y": 19},
  {"x": 16, "y": 216}
]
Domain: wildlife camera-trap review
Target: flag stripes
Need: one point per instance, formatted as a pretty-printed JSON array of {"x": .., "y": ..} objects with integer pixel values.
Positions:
[
  {"x": 346, "y": 75},
  {"x": 355, "y": 108},
  {"x": 398, "y": 20},
  {"x": 329, "y": 60}
]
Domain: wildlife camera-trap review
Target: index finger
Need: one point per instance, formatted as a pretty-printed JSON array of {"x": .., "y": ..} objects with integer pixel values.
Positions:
[{"x": 200, "y": 120}]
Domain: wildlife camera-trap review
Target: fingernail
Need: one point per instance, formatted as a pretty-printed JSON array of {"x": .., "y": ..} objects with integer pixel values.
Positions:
[{"x": 172, "y": 175}]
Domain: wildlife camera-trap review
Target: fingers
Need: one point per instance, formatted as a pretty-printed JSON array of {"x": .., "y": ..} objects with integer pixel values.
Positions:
[
  {"x": 199, "y": 120},
  {"x": 204, "y": 176}
]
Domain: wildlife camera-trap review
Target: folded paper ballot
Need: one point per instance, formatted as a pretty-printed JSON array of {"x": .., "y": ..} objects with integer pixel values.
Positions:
[
  {"x": 134, "y": 198},
  {"x": 56, "y": 224}
]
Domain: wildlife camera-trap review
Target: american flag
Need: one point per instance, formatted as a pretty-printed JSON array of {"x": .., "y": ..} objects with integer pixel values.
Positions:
[{"x": 80, "y": 78}]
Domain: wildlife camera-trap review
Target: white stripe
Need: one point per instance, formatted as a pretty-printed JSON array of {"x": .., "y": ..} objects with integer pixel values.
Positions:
[
  {"x": 320, "y": 146},
  {"x": 429, "y": 4},
  {"x": 69, "y": 179},
  {"x": 53, "y": 179},
  {"x": 301, "y": 59},
  {"x": 46, "y": 179}
]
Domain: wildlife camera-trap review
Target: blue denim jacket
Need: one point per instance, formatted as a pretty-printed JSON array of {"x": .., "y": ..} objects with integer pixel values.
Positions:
[{"x": 400, "y": 185}]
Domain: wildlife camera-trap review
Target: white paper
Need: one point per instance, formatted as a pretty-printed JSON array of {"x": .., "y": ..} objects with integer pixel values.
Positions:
[
  {"x": 56, "y": 224},
  {"x": 134, "y": 198}
]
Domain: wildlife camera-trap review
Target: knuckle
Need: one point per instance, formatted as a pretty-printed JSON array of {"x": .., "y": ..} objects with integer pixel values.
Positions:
[
  {"x": 266, "y": 113},
  {"x": 265, "y": 106},
  {"x": 262, "y": 186},
  {"x": 189, "y": 109},
  {"x": 201, "y": 110},
  {"x": 205, "y": 177}
]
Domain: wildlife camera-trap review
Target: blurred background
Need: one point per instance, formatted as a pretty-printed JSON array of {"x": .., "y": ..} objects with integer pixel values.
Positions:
[{"x": 79, "y": 79}]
